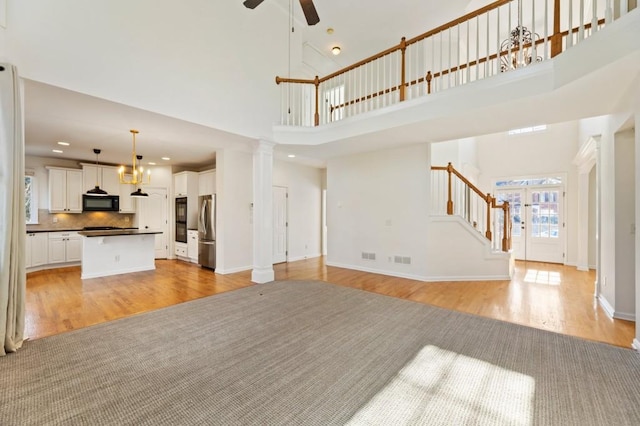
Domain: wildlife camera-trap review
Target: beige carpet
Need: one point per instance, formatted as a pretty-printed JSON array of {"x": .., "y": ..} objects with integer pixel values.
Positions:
[{"x": 311, "y": 353}]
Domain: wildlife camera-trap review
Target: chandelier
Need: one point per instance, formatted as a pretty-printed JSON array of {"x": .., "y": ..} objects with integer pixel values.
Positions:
[
  {"x": 138, "y": 176},
  {"x": 516, "y": 49}
]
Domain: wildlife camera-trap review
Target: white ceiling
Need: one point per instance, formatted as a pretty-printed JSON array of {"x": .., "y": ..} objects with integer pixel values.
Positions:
[{"x": 361, "y": 28}]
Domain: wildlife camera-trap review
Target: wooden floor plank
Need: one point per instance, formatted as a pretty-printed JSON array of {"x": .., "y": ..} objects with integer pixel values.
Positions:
[{"x": 547, "y": 296}]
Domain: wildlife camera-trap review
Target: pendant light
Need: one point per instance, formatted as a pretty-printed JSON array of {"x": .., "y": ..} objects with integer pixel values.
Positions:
[
  {"x": 97, "y": 192},
  {"x": 138, "y": 192}
]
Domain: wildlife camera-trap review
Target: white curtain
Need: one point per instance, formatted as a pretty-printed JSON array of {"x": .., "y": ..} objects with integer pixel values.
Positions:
[{"x": 12, "y": 212}]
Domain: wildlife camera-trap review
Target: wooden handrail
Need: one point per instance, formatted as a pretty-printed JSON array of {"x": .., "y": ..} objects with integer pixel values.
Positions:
[
  {"x": 555, "y": 41},
  {"x": 459, "y": 20},
  {"x": 403, "y": 43},
  {"x": 487, "y": 198}
]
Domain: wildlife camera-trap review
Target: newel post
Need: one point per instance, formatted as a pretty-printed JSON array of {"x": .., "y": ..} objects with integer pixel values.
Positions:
[
  {"x": 449, "y": 197},
  {"x": 506, "y": 237},
  {"x": 490, "y": 200},
  {"x": 403, "y": 50},
  {"x": 316, "y": 116}
]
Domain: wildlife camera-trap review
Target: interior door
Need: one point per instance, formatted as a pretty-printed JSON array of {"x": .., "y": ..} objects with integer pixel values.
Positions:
[
  {"x": 153, "y": 216},
  {"x": 537, "y": 222},
  {"x": 279, "y": 224}
]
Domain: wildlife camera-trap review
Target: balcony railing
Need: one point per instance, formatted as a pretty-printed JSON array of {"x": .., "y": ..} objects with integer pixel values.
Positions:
[{"x": 500, "y": 37}]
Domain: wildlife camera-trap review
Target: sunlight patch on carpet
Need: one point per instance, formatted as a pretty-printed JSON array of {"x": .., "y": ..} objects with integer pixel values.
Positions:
[{"x": 443, "y": 387}]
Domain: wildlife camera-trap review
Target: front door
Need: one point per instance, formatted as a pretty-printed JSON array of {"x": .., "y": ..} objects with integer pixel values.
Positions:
[
  {"x": 537, "y": 222},
  {"x": 153, "y": 216}
]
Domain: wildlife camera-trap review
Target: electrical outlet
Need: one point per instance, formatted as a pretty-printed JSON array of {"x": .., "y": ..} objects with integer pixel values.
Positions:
[
  {"x": 55, "y": 219},
  {"x": 126, "y": 218}
]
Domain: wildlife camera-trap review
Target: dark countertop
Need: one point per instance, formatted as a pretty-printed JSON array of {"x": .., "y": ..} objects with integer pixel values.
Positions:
[
  {"x": 35, "y": 231},
  {"x": 116, "y": 233}
]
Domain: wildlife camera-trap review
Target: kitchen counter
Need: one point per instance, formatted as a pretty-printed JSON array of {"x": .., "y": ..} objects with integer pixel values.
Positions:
[
  {"x": 117, "y": 251},
  {"x": 116, "y": 232}
]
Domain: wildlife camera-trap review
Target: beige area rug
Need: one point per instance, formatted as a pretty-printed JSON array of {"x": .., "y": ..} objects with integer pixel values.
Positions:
[{"x": 311, "y": 353}]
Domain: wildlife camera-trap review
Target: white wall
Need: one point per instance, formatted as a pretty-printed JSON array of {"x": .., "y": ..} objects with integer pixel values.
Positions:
[
  {"x": 304, "y": 187},
  {"x": 625, "y": 224},
  {"x": 532, "y": 154},
  {"x": 234, "y": 197},
  {"x": 592, "y": 219},
  {"x": 379, "y": 203}
]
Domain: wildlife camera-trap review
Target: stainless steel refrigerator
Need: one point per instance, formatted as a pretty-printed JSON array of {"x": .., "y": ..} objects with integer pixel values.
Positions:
[{"x": 207, "y": 231}]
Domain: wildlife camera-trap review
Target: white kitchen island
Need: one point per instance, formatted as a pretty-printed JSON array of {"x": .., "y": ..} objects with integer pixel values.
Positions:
[{"x": 114, "y": 252}]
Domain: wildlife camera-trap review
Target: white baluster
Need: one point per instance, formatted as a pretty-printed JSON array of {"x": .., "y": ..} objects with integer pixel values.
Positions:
[
  {"x": 581, "y": 27},
  {"x": 570, "y": 36},
  {"x": 594, "y": 19},
  {"x": 546, "y": 29}
]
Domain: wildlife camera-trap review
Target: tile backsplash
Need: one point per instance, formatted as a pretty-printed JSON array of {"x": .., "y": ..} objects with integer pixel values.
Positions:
[{"x": 74, "y": 220}]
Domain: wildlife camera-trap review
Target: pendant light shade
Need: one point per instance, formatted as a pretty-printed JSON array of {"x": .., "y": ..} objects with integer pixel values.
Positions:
[
  {"x": 96, "y": 191},
  {"x": 138, "y": 193}
]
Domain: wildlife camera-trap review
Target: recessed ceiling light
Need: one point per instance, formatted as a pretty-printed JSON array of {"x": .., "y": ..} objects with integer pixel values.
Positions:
[
  {"x": 57, "y": 151},
  {"x": 166, "y": 158},
  {"x": 291, "y": 156},
  {"x": 63, "y": 143},
  {"x": 151, "y": 163},
  {"x": 335, "y": 50},
  {"x": 329, "y": 30}
]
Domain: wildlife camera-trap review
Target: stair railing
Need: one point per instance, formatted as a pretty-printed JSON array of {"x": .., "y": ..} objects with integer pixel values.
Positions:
[
  {"x": 497, "y": 38},
  {"x": 454, "y": 194}
]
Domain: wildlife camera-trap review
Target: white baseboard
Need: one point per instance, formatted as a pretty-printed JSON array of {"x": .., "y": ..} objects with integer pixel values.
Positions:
[
  {"x": 51, "y": 266},
  {"x": 606, "y": 306},
  {"x": 233, "y": 270},
  {"x": 636, "y": 344},
  {"x": 624, "y": 316},
  {"x": 297, "y": 258},
  {"x": 582, "y": 268},
  {"x": 418, "y": 277},
  {"x": 118, "y": 272}
]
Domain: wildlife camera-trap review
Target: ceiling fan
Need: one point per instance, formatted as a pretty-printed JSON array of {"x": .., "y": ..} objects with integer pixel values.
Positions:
[{"x": 307, "y": 7}]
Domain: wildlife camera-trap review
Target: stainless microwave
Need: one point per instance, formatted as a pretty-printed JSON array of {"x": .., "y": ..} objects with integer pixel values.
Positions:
[{"x": 107, "y": 203}]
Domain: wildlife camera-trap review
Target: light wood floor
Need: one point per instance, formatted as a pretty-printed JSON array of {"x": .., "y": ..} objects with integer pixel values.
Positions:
[{"x": 542, "y": 295}]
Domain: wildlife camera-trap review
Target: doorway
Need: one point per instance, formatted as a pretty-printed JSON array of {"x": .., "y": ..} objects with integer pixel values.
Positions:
[
  {"x": 537, "y": 219},
  {"x": 153, "y": 213},
  {"x": 280, "y": 224}
]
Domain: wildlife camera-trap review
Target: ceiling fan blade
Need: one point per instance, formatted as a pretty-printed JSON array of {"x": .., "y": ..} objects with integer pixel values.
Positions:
[
  {"x": 309, "y": 12},
  {"x": 252, "y": 4}
]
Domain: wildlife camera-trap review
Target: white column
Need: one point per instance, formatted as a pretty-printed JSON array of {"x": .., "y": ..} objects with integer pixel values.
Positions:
[{"x": 263, "y": 213}]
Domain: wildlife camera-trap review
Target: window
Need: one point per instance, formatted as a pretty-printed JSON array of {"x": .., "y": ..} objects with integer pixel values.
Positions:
[
  {"x": 527, "y": 130},
  {"x": 30, "y": 200}
]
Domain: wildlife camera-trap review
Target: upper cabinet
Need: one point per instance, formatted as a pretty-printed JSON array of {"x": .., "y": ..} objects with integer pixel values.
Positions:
[
  {"x": 65, "y": 190},
  {"x": 127, "y": 202},
  {"x": 106, "y": 177},
  {"x": 185, "y": 184},
  {"x": 207, "y": 182}
]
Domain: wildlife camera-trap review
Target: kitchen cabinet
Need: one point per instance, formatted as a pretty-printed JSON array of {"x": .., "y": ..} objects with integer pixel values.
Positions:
[
  {"x": 192, "y": 245},
  {"x": 207, "y": 182},
  {"x": 181, "y": 250},
  {"x": 185, "y": 184},
  {"x": 64, "y": 247},
  {"x": 127, "y": 202},
  {"x": 65, "y": 190},
  {"x": 36, "y": 249},
  {"x": 104, "y": 176}
]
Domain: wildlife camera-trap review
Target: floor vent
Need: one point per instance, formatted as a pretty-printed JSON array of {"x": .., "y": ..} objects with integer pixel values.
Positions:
[
  {"x": 405, "y": 260},
  {"x": 368, "y": 256}
]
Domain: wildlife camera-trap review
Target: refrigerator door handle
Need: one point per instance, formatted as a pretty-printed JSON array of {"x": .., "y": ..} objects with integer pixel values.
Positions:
[
  {"x": 208, "y": 243},
  {"x": 202, "y": 221}
]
